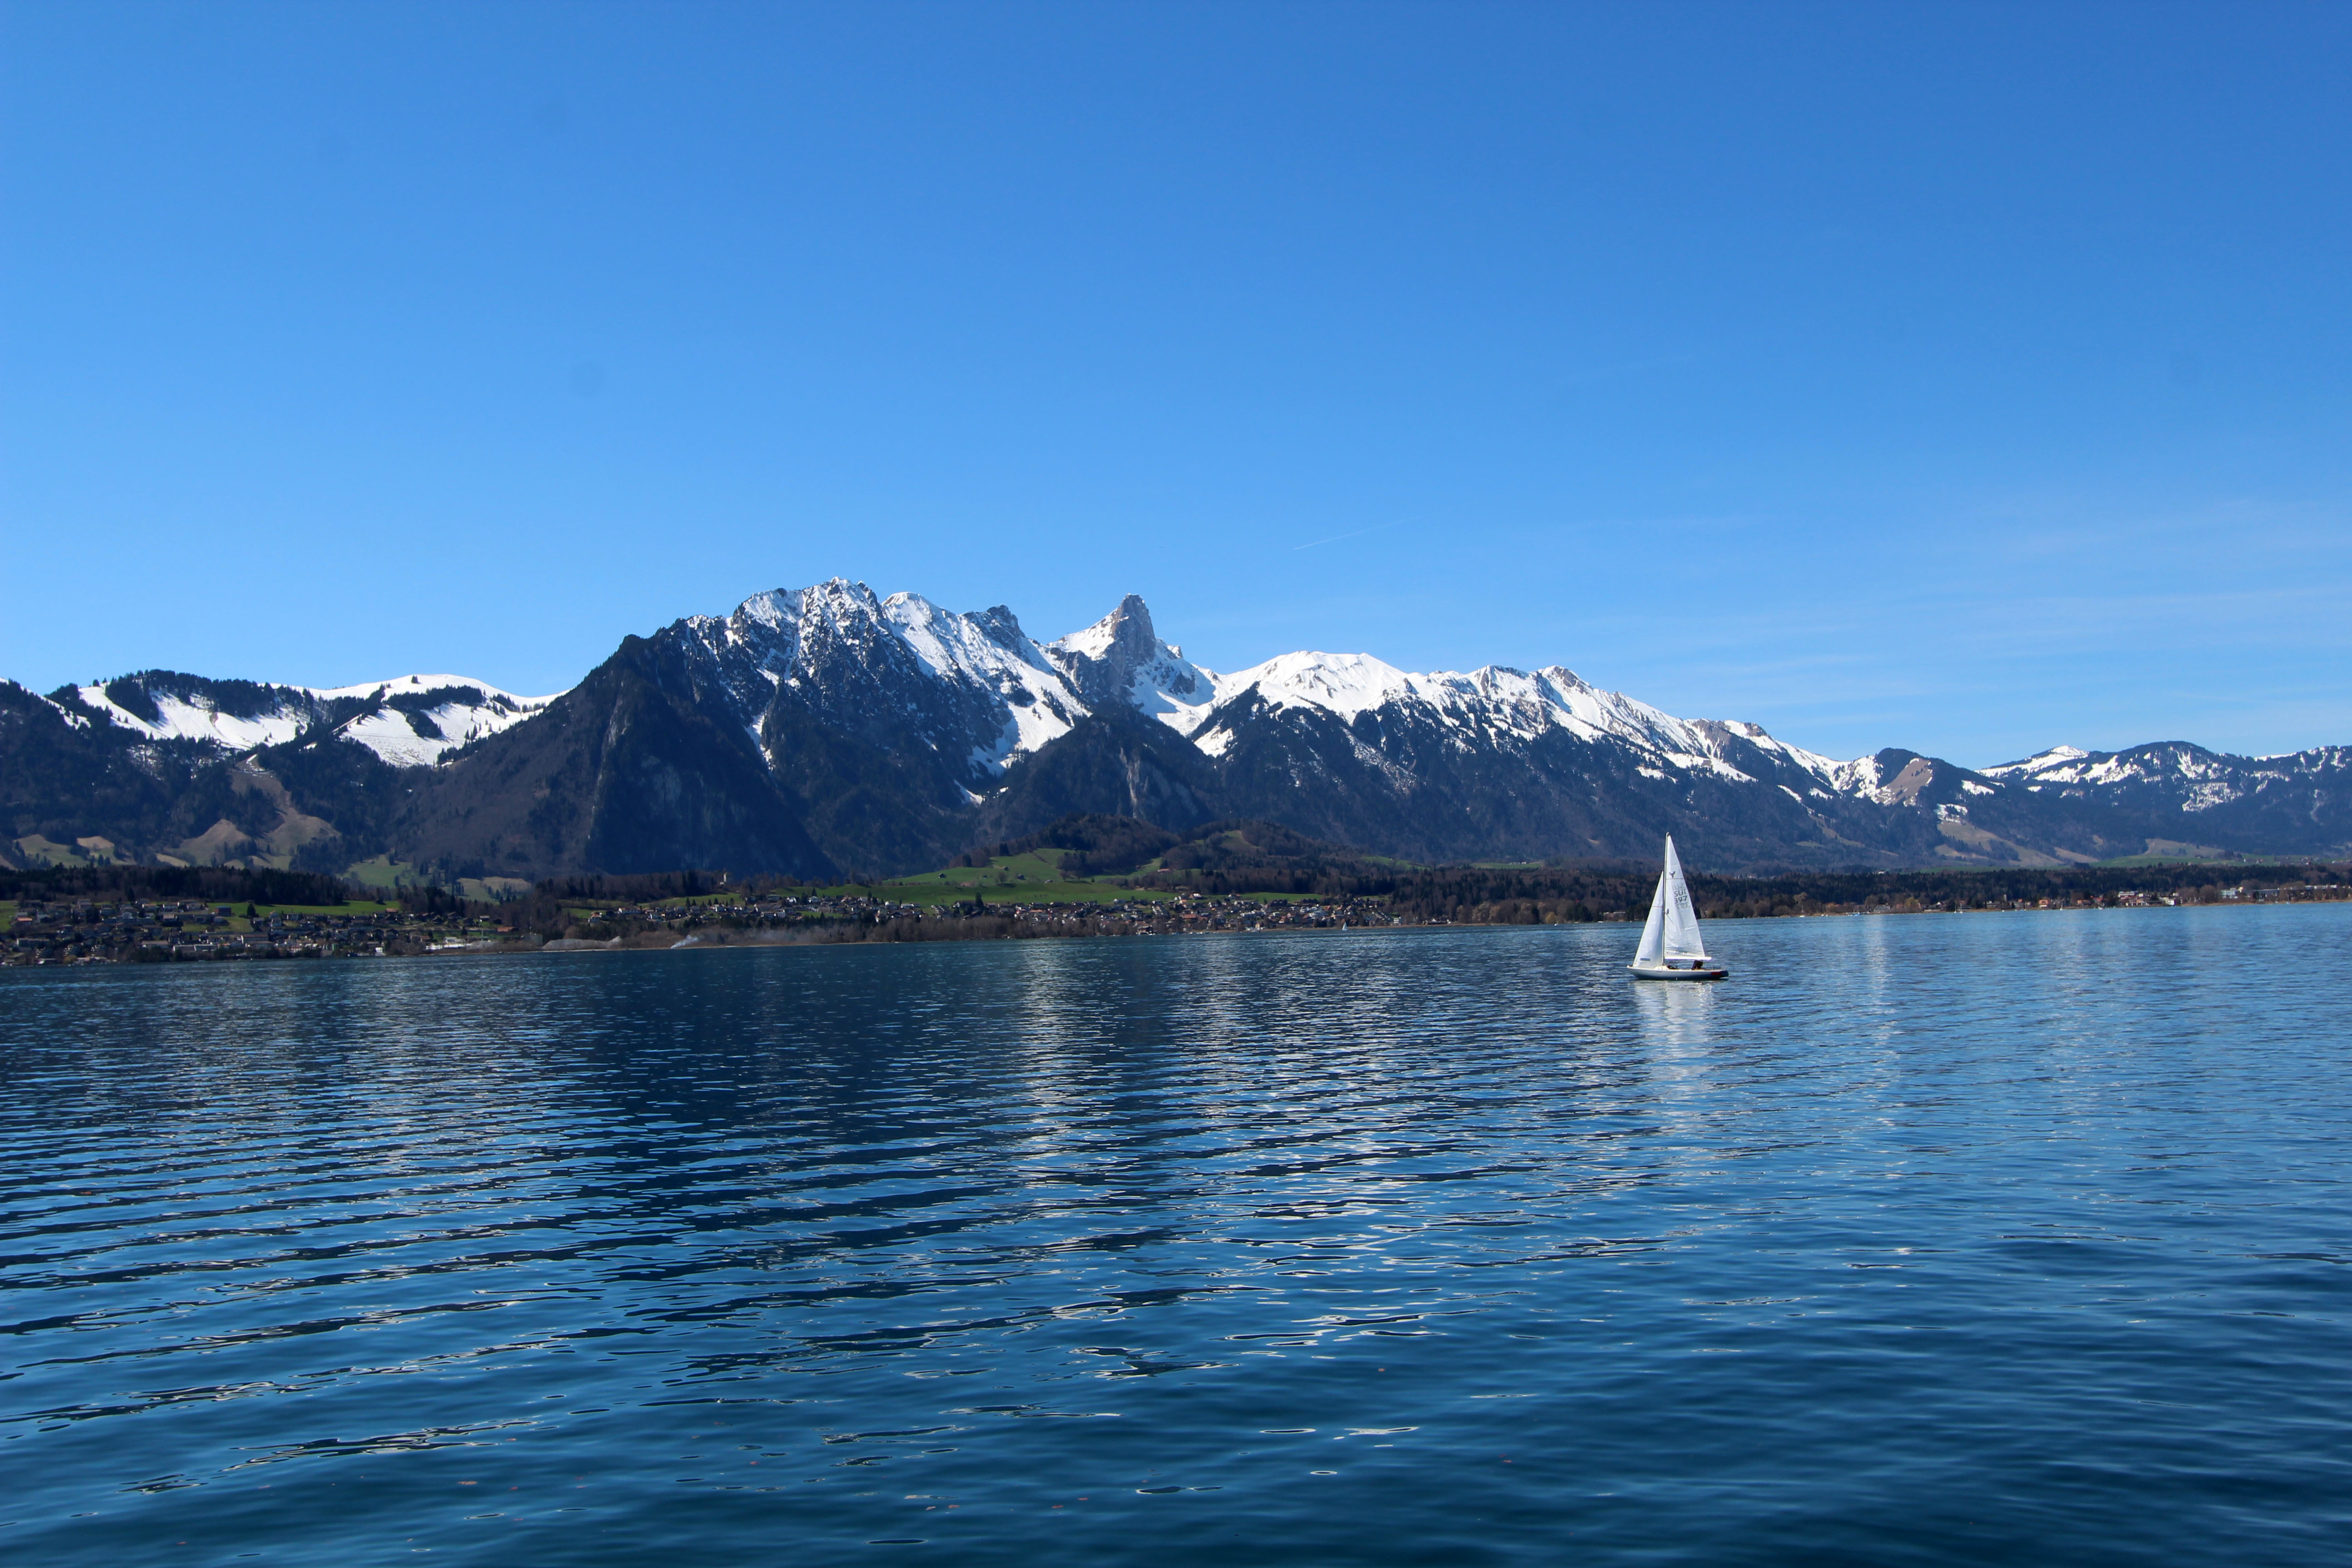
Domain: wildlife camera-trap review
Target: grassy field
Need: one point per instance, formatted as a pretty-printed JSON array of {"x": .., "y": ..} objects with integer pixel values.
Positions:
[
  {"x": 1034, "y": 877},
  {"x": 2220, "y": 863},
  {"x": 385, "y": 873}
]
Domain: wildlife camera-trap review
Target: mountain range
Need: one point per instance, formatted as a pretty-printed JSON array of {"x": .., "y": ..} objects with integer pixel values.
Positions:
[{"x": 825, "y": 732}]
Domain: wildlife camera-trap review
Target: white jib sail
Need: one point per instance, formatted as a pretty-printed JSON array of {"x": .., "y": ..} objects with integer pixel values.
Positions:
[{"x": 1652, "y": 953}]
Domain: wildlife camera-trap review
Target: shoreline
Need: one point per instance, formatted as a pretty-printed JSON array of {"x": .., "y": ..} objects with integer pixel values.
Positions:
[{"x": 1010, "y": 927}]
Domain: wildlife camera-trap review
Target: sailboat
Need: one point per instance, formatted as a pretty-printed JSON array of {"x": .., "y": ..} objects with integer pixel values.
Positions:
[{"x": 1670, "y": 947}]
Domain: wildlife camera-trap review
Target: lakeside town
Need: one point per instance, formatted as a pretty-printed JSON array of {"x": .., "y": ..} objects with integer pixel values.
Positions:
[{"x": 132, "y": 930}]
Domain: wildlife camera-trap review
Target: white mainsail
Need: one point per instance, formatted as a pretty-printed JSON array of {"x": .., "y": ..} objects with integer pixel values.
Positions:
[{"x": 1672, "y": 929}]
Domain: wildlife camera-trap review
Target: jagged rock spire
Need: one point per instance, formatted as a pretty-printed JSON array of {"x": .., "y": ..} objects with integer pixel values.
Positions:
[{"x": 1102, "y": 661}]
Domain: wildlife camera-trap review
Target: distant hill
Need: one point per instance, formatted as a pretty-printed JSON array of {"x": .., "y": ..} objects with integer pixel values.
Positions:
[
  {"x": 1092, "y": 845},
  {"x": 1231, "y": 856},
  {"x": 1243, "y": 856}
]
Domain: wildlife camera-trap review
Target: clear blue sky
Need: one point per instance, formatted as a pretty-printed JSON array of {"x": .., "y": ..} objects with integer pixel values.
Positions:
[{"x": 1966, "y": 377}]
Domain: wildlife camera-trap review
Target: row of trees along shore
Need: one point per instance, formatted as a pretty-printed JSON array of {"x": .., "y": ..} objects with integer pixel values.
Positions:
[
  {"x": 237, "y": 885},
  {"x": 211, "y": 884},
  {"x": 1478, "y": 895},
  {"x": 1484, "y": 896},
  {"x": 1459, "y": 895}
]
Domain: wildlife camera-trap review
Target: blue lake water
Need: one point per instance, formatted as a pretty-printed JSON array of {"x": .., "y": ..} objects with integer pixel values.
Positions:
[{"x": 1923, "y": 1239}]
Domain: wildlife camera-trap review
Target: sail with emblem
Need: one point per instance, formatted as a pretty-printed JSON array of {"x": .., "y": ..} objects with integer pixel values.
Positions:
[{"x": 1671, "y": 948}]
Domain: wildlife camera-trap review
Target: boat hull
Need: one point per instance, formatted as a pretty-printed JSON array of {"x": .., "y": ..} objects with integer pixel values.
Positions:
[{"x": 1643, "y": 972}]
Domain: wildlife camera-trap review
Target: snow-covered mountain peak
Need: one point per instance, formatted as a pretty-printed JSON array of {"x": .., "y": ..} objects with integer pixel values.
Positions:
[
  {"x": 1859, "y": 777},
  {"x": 973, "y": 688},
  {"x": 2041, "y": 762},
  {"x": 842, "y": 602},
  {"x": 414, "y": 721},
  {"x": 777, "y": 608},
  {"x": 1496, "y": 702},
  {"x": 2205, "y": 779},
  {"x": 988, "y": 651},
  {"x": 410, "y": 720},
  {"x": 1128, "y": 627},
  {"x": 413, "y": 685},
  {"x": 1345, "y": 684},
  {"x": 775, "y": 625},
  {"x": 1120, "y": 660}
]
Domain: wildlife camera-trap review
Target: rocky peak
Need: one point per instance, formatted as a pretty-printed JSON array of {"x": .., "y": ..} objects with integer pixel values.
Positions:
[
  {"x": 1102, "y": 661},
  {"x": 1131, "y": 625},
  {"x": 1001, "y": 627}
]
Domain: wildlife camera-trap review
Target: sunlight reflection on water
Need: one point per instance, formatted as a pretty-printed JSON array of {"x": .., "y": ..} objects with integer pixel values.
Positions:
[{"x": 1935, "y": 1237}]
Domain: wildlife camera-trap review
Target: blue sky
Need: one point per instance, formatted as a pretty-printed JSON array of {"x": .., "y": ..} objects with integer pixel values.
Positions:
[{"x": 1970, "y": 378}]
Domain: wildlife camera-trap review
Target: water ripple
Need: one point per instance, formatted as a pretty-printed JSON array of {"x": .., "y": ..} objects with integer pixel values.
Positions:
[{"x": 1931, "y": 1239}]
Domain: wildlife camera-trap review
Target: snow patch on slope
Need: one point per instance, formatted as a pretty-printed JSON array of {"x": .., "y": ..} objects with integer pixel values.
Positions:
[
  {"x": 405, "y": 734},
  {"x": 73, "y": 720},
  {"x": 1345, "y": 684},
  {"x": 180, "y": 719},
  {"x": 1120, "y": 659},
  {"x": 408, "y": 736},
  {"x": 967, "y": 647},
  {"x": 972, "y": 686},
  {"x": 1493, "y": 700},
  {"x": 2052, "y": 761}
]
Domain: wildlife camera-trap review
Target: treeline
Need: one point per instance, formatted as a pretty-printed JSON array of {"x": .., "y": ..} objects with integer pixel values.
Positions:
[
  {"x": 1477, "y": 895},
  {"x": 1233, "y": 856},
  {"x": 1981, "y": 887},
  {"x": 1321, "y": 882},
  {"x": 212, "y": 884},
  {"x": 648, "y": 886},
  {"x": 1250, "y": 857},
  {"x": 544, "y": 910}
]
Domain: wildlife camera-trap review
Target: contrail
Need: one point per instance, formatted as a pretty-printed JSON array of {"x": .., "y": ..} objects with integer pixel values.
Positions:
[{"x": 1337, "y": 537}]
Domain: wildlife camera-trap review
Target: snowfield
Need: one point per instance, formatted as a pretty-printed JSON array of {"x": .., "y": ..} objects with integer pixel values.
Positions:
[{"x": 396, "y": 724}]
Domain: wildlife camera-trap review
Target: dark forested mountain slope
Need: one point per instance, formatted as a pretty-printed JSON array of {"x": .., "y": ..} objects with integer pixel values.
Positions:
[{"x": 627, "y": 772}]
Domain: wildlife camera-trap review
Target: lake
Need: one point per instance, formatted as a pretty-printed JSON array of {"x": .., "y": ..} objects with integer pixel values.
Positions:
[{"x": 1924, "y": 1239}]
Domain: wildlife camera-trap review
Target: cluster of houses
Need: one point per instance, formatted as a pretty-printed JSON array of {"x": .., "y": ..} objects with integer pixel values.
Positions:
[
  {"x": 780, "y": 912},
  {"x": 2297, "y": 892},
  {"x": 135, "y": 932}
]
